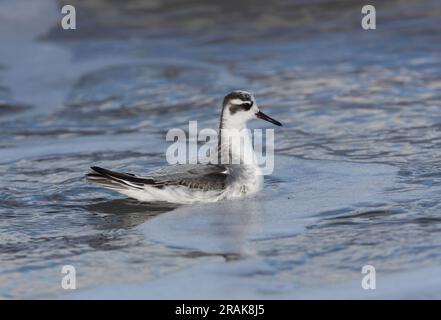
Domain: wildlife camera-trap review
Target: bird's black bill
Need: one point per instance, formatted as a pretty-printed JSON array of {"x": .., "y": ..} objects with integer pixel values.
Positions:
[{"x": 263, "y": 116}]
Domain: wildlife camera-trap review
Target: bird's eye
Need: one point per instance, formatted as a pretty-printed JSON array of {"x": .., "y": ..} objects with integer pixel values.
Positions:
[{"x": 247, "y": 105}]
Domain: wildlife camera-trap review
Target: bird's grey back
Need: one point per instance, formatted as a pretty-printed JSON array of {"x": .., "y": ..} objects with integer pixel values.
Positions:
[{"x": 196, "y": 176}]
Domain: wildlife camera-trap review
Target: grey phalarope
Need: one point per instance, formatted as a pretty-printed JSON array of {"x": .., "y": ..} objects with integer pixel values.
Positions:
[{"x": 189, "y": 183}]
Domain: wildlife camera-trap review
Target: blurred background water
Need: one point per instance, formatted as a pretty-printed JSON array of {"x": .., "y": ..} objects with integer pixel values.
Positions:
[{"x": 357, "y": 174}]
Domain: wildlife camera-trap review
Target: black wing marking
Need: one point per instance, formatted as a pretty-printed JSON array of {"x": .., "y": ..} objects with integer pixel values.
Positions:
[
  {"x": 107, "y": 182},
  {"x": 121, "y": 178},
  {"x": 200, "y": 177}
]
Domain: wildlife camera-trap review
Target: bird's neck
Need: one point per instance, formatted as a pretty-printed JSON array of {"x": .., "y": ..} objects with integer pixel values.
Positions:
[
  {"x": 237, "y": 153},
  {"x": 235, "y": 145},
  {"x": 235, "y": 150}
]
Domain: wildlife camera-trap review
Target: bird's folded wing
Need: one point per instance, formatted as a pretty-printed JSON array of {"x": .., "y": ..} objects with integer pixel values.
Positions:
[
  {"x": 185, "y": 170},
  {"x": 197, "y": 176}
]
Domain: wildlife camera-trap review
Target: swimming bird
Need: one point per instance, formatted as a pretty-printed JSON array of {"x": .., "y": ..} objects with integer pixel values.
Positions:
[{"x": 235, "y": 174}]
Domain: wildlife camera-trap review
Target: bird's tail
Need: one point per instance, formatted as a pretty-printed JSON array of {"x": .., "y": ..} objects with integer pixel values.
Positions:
[{"x": 116, "y": 180}]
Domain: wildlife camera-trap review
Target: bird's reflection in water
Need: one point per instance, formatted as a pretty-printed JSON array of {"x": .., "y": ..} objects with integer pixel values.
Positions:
[
  {"x": 216, "y": 229},
  {"x": 126, "y": 213},
  {"x": 225, "y": 228}
]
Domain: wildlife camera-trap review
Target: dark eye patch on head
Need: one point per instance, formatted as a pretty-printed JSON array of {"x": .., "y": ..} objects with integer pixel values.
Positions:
[{"x": 245, "y": 106}]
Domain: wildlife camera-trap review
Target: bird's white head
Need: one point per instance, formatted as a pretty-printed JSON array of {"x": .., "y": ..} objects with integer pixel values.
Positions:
[{"x": 239, "y": 107}]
